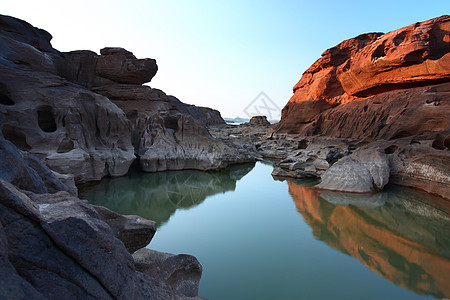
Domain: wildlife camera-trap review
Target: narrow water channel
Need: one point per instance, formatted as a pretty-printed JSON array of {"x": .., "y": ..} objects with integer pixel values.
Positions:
[{"x": 259, "y": 238}]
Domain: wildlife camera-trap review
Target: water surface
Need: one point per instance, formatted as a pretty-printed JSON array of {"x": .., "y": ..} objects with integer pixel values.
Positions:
[{"x": 258, "y": 238}]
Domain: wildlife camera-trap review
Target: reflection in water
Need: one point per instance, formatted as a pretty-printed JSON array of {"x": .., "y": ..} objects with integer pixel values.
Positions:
[
  {"x": 156, "y": 196},
  {"x": 394, "y": 234}
]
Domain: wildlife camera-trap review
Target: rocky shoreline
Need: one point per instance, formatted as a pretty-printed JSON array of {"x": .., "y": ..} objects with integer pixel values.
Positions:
[{"x": 71, "y": 118}]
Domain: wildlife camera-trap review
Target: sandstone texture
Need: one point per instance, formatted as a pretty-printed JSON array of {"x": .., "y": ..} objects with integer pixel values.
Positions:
[{"x": 374, "y": 101}]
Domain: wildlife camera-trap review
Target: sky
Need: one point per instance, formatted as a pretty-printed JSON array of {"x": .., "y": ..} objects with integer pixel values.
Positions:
[{"x": 240, "y": 57}]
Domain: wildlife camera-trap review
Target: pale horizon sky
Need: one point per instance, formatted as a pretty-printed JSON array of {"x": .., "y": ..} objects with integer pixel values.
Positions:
[{"x": 220, "y": 54}]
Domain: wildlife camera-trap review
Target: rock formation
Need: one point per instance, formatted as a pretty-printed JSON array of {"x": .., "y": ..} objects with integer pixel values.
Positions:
[
  {"x": 369, "y": 65},
  {"x": 166, "y": 133},
  {"x": 54, "y": 245},
  {"x": 388, "y": 93},
  {"x": 89, "y": 115},
  {"x": 72, "y": 129}
]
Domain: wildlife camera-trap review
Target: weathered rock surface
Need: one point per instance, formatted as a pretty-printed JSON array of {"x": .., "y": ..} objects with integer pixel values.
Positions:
[
  {"x": 384, "y": 93},
  {"x": 362, "y": 172},
  {"x": 182, "y": 272},
  {"x": 112, "y": 66},
  {"x": 88, "y": 114},
  {"x": 166, "y": 133},
  {"x": 370, "y": 64},
  {"x": 69, "y": 251},
  {"x": 72, "y": 129}
]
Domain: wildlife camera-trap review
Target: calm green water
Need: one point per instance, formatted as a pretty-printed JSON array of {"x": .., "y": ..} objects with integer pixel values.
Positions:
[{"x": 258, "y": 238}]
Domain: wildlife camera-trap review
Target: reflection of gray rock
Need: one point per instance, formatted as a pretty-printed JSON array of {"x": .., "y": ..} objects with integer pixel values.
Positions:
[
  {"x": 182, "y": 272},
  {"x": 134, "y": 232},
  {"x": 359, "y": 200},
  {"x": 158, "y": 196}
]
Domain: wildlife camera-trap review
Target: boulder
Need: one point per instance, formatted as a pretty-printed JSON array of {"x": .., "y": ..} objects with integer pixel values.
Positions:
[
  {"x": 113, "y": 66},
  {"x": 361, "y": 172},
  {"x": 259, "y": 121},
  {"x": 182, "y": 272}
]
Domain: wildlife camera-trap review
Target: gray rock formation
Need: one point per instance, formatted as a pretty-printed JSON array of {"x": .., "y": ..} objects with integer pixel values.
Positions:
[
  {"x": 69, "y": 251},
  {"x": 259, "y": 121},
  {"x": 72, "y": 129},
  {"x": 362, "y": 172},
  {"x": 166, "y": 133},
  {"x": 87, "y": 114}
]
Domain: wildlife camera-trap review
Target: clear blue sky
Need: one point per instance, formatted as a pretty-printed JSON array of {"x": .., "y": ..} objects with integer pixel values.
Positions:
[{"x": 220, "y": 54}]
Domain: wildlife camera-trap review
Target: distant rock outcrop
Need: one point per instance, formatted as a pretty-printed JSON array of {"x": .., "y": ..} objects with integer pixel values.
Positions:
[{"x": 259, "y": 121}]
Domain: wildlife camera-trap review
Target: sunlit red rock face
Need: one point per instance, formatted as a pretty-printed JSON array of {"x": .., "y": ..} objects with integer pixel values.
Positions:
[
  {"x": 372, "y": 67},
  {"x": 398, "y": 241}
]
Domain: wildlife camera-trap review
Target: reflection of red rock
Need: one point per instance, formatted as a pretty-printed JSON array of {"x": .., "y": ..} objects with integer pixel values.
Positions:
[
  {"x": 372, "y": 65},
  {"x": 360, "y": 233}
]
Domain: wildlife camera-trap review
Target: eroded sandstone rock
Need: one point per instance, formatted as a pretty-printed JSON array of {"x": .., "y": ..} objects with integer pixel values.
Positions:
[
  {"x": 73, "y": 130},
  {"x": 368, "y": 65}
]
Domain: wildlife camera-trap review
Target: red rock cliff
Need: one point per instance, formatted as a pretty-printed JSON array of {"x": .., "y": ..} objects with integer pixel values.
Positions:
[{"x": 361, "y": 73}]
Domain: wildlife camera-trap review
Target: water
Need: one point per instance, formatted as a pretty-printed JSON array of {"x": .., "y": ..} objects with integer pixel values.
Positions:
[{"x": 258, "y": 238}]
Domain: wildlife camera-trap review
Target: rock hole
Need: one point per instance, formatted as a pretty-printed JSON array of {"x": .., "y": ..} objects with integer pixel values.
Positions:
[
  {"x": 391, "y": 149},
  {"x": 379, "y": 52},
  {"x": 5, "y": 97},
  {"x": 303, "y": 144},
  {"x": 365, "y": 108},
  {"x": 46, "y": 118},
  {"x": 447, "y": 142},
  {"x": 15, "y": 136},
  {"x": 399, "y": 38},
  {"x": 439, "y": 142},
  {"x": 171, "y": 123},
  {"x": 414, "y": 57}
]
